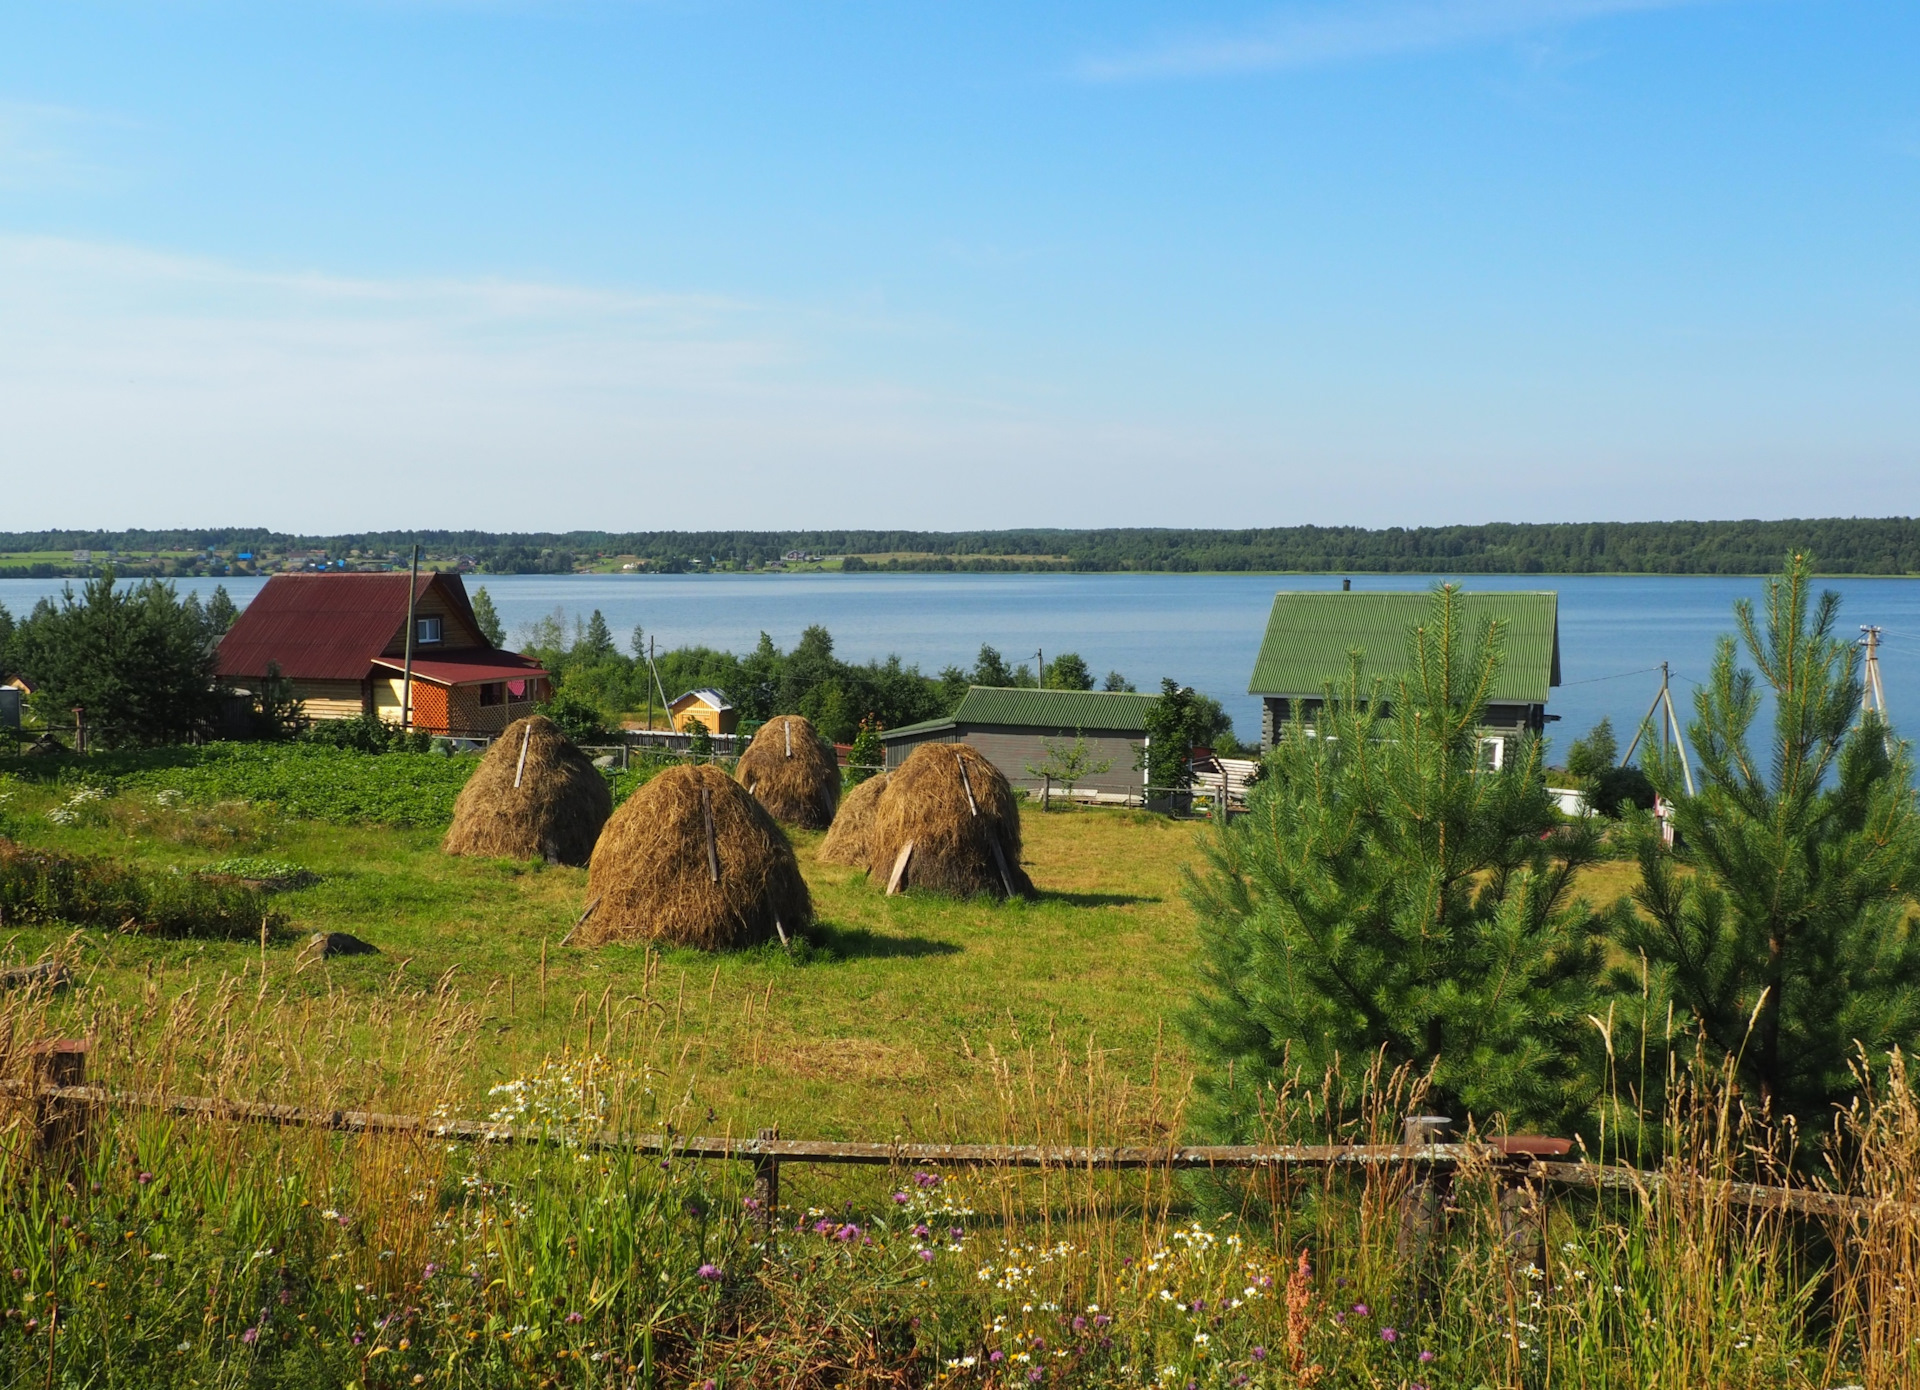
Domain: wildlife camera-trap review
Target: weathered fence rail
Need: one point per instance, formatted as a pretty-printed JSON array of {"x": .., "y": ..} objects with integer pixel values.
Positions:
[{"x": 64, "y": 1104}]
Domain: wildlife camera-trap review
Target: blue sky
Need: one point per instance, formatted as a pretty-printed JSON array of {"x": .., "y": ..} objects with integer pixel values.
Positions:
[{"x": 687, "y": 264}]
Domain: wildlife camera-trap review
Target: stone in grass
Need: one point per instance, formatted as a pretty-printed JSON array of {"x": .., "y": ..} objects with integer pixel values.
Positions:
[{"x": 338, "y": 943}]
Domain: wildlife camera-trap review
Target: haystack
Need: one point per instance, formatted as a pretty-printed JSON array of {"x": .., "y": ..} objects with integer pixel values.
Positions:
[
  {"x": 846, "y": 841},
  {"x": 958, "y": 815},
  {"x": 692, "y": 860},
  {"x": 792, "y": 772},
  {"x": 534, "y": 796}
]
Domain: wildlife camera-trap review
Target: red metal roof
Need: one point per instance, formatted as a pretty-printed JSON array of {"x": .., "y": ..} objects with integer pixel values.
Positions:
[
  {"x": 328, "y": 626},
  {"x": 468, "y": 668}
]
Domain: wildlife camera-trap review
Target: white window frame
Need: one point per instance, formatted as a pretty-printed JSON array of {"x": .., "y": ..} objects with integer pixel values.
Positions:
[{"x": 427, "y": 630}]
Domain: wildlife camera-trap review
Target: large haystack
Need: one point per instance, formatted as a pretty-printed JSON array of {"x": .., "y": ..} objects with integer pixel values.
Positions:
[
  {"x": 692, "y": 860},
  {"x": 792, "y": 772},
  {"x": 534, "y": 796},
  {"x": 958, "y": 813},
  {"x": 846, "y": 841}
]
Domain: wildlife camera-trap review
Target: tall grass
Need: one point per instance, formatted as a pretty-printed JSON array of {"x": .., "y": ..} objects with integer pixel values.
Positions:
[{"x": 217, "y": 1253}]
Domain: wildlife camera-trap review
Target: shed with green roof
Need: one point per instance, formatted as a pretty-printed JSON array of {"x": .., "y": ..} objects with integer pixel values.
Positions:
[
  {"x": 1311, "y": 632},
  {"x": 1011, "y": 727}
]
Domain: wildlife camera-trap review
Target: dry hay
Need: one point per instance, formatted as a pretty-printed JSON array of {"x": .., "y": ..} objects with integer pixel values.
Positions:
[
  {"x": 534, "y": 796},
  {"x": 846, "y": 841},
  {"x": 955, "y": 808},
  {"x": 691, "y": 859},
  {"x": 792, "y": 772}
]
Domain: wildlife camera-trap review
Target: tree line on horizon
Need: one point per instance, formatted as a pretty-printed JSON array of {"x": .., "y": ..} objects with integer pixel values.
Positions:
[{"x": 1846, "y": 545}]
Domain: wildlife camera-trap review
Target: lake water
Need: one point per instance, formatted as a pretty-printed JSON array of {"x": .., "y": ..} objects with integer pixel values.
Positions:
[{"x": 1201, "y": 629}]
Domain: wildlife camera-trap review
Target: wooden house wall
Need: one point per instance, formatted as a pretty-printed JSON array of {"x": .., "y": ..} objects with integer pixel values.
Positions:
[
  {"x": 454, "y": 633},
  {"x": 329, "y": 699}
]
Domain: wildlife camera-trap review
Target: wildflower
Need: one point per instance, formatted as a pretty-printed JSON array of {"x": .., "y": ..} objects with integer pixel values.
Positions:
[
  {"x": 1259, "y": 1353},
  {"x": 1389, "y": 1336},
  {"x": 927, "y": 1255},
  {"x": 144, "y": 1179},
  {"x": 955, "y": 1233},
  {"x": 901, "y": 1199},
  {"x": 822, "y": 1227},
  {"x": 1036, "y": 1375},
  {"x": 997, "y": 1356},
  {"x": 576, "y": 1318},
  {"x": 1360, "y": 1310},
  {"x": 250, "y": 1336},
  {"x": 926, "y": 1179},
  {"x": 1079, "y": 1324},
  {"x": 710, "y": 1273},
  {"x": 430, "y": 1271},
  {"x": 922, "y": 1230},
  {"x": 846, "y": 1232},
  {"x": 1425, "y": 1357}
]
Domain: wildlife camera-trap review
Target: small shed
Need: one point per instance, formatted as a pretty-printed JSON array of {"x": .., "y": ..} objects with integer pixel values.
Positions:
[
  {"x": 711, "y": 707},
  {"x": 1012, "y": 726},
  {"x": 1310, "y": 633}
]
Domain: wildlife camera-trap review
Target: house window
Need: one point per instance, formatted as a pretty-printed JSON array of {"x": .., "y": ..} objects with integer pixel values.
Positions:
[
  {"x": 493, "y": 693},
  {"x": 1493, "y": 753},
  {"x": 426, "y": 630}
]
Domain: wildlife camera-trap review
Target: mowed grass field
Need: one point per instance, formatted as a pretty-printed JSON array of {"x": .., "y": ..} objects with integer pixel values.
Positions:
[{"x": 909, "y": 1016}]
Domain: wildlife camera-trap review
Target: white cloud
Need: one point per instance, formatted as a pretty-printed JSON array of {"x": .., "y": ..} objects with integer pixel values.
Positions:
[
  {"x": 142, "y": 387},
  {"x": 1301, "y": 38},
  {"x": 43, "y": 146}
]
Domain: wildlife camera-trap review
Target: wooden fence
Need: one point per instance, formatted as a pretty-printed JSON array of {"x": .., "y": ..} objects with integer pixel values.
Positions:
[{"x": 64, "y": 1106}]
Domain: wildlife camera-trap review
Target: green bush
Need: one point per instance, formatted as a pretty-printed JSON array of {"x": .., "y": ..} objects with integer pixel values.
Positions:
[
  {"x": 37, "y": 886},
  {"x": 366, "y": 733}
]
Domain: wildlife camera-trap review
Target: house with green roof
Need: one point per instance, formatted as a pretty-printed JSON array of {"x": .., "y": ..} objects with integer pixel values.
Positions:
[
  {"x": 1011, "y": 726},
  {"x": 1311, "y": 632}
]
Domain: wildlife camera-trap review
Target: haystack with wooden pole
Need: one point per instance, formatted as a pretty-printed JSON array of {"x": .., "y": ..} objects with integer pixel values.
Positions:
[
  {"x": 690, "y": 859},
  {"x": 948, "y": 822},
  {"x": 534, "y": 796},
  {"x": 792, "y": 772},
  {"x": 846, "y": 841}
]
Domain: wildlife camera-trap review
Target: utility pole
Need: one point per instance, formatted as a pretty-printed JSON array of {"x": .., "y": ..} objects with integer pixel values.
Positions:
[
  {"x": 406, "y": 669},
  {"x": 1873, "y": 696},
  {"x": 1040, "y": 670},
  {"x": 1669, "y": 727}
]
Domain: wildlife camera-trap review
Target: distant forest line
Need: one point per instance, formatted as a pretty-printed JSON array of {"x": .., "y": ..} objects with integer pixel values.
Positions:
[{"x": 1851, "y": 545}]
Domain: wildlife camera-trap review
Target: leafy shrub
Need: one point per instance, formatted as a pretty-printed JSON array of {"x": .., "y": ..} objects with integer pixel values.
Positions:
[
  {"x": 366, "y": 733},
  {"x": 37, "y": 886},
  {"x": 578, "y": 719},
  {"x": 278, "y": 873}
]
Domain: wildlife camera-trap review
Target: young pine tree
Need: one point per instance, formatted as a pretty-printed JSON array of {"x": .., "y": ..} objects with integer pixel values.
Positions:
[
  {"x": 1789, "y": 946},
  {"x": 1388, "y": 896}
]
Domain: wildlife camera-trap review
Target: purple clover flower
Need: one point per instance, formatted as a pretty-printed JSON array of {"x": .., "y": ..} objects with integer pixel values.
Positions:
[
  {"x": 576, "y": 1318},
  {"x": 1389, "y": 1336},
  {"x": 250, "y": 1336},
  {"x": 1360, "y": 1310},
  {"x": 927, "y": 1255},
  {"x": 710, "y": 1273},
  {"x": 1259, "y": 1353},
  {"x": 900, "y": 1199},
  {"x": 1425, "y": 1358}
]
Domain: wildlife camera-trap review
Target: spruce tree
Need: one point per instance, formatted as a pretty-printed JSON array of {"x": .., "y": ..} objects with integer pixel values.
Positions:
[
  {"x": 488, "y": 617},
  {"x": 1388, "y": 896},
  {"x": 1787, "y": 944}
]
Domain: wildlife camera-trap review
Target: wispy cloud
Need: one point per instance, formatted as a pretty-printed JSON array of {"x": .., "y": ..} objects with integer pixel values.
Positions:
[
  {"x": 182, "y": 386},
  {"x": 45, "y": 146},
  {"x": 1326, "y": 34}
]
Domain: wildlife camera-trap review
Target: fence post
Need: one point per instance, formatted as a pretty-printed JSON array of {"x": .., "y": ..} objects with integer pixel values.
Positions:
[
  {"x": 766, "y": 1189},
  {"x": 60, "y": 1125},
  {"x": 1423, "y": 1204}
]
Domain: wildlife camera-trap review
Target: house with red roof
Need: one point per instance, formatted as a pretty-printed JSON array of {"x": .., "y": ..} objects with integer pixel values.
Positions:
[{"x": 341, "y": 639}]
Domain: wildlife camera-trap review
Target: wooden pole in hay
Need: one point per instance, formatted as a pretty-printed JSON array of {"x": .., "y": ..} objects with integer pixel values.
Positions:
[
  {"x": 786, "y": 727},
  {"x": 1000, "y": 862},
  {"x": 897, "y": 879},
  {"x": 967, "y": 782},
  {"x": 526, "y": 737},
  {"x": 713, "y": 852},
  {"x": 580, "y": 921}
]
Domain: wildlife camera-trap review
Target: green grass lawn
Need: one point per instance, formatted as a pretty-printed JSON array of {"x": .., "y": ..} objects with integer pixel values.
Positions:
[{"x": 890, "y": 1022}]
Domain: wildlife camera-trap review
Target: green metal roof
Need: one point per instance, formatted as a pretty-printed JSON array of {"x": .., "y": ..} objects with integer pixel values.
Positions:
[
  {"x": 1309, "y": 634},
  {"x": 1053, "y": 710}
]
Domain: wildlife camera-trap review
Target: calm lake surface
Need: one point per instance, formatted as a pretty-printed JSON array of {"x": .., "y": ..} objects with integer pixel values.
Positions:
[{"x": 1201, "y": 629}]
